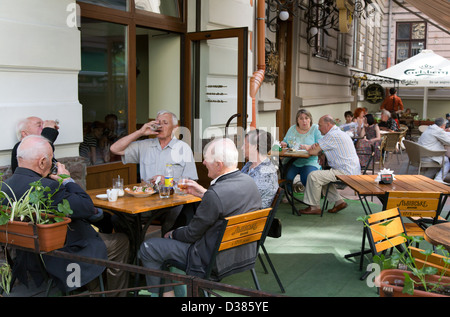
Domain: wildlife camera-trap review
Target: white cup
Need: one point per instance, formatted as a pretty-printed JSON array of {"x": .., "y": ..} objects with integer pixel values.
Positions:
[{"x": 112, "y": 194}]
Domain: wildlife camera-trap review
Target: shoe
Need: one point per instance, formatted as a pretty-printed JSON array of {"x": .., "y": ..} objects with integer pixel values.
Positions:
[
  {"x": 337, "y": 208},
  {"x": 309, "y": 211}
]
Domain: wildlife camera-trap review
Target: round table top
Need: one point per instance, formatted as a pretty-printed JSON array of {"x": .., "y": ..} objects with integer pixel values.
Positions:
[{"x": 439, "y": 234}]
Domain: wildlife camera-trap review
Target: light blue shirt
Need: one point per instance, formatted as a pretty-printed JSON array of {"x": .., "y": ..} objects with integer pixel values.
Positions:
[
  {"x": 266, "y": 179},
  {"x": 309, "y": 138},
  {"x": 340, "y": 151},
  {"x": 153, "y": 159}
]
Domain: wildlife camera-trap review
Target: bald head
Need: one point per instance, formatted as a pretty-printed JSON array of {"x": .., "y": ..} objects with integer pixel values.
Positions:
[
  {"x": 326, "y": 122},
  {"x": 29, "y": 126},
  {"x": 35, "y": 153}
]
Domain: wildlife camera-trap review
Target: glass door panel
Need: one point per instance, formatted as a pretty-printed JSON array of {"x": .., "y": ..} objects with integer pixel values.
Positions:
[
  {"x": 103, "y": 88},
  {"x": 216, "y": 90}
]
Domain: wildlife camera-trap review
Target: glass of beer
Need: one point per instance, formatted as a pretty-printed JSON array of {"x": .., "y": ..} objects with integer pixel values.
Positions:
[{"x": 182, "y": 185}]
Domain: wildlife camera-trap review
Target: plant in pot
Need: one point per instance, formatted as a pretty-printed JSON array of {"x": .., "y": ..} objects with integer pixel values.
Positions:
[
  {"x": 404, "y": 272},
  {"x": 32, "y": 221}
]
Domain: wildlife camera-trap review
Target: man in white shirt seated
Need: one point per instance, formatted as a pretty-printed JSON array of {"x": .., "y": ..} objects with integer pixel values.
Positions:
[
  {"x": 435, "y": 138},
  {"x": 152, "y": 155},
  {"x": 342, "y": 158}
]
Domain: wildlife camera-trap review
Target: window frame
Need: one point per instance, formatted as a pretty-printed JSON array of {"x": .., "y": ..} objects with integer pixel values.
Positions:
[{"x": 409, "y": 41}]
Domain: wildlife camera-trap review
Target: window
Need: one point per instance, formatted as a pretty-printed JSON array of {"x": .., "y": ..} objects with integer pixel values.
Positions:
[
  {"x": 410, "y": 39},
  {"x": 103, "y": 88},
  {"x": 114, "y": 4},
  {"x": 165, "y": 7}
]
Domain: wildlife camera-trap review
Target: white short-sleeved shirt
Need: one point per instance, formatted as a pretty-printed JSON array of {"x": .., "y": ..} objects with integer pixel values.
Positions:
[
  {"x": 153, "y": 159},
  {"x": 340, "y": 151}
]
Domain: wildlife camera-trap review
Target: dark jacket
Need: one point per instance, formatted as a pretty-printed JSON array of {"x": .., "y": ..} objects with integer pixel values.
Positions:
[
  {"x": 81, "y": 239},
  {"x": 232, "y": 194}
]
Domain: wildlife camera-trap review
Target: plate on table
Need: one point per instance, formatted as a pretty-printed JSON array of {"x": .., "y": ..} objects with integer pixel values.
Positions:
[
  {"x": 297, "y": 151},
  {"x": 138, "y": 191},
  {"x": 102, "y": 196}
]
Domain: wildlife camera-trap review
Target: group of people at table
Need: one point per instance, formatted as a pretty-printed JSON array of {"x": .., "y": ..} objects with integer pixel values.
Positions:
[{"x": 187, "y": 236}]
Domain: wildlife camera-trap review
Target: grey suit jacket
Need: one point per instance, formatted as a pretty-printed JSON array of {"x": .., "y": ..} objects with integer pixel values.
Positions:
[{"x": 232, "y": 194}]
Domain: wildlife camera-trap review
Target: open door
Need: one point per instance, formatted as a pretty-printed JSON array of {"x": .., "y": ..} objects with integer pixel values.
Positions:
[{"x": 215, "y": 88}]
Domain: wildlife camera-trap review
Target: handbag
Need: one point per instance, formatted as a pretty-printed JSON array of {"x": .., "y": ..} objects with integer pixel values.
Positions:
[{"x": 275, "y": 228}]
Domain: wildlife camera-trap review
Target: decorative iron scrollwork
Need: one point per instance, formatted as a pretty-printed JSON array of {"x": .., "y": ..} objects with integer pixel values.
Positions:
[{"x": 272, "y": 63}]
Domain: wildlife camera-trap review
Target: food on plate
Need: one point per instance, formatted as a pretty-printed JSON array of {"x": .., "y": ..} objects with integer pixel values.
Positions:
[{"x": 140, "y": 190}]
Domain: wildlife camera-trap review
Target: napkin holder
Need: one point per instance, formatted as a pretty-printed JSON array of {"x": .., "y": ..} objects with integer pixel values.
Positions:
[
  {"x": 386, "y": 179},
  {"x": 385, "y": 176}
]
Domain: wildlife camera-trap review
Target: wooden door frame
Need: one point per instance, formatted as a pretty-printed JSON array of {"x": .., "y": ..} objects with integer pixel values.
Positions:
[
  {"x": 188, "y": 109},
  {"x": 284, "y": 82},
  {"x": 101, "y": 175}
]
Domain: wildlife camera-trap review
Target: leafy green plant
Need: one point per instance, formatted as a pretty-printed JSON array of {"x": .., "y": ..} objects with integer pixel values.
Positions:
[
  {"x": 5, "y": 277},
  {"x": 35, "y": 205},
  {"x": 406, "y": 261}
]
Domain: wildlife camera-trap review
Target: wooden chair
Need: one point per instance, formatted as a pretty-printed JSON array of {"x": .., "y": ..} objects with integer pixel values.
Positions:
[
  {"x": 384, "y": 232},
  {"x": 275, "y": 203},
  {"x": 236, "y": 231},
  {"x": 419, "y": 207},
  {"x": 432, "y": 260},
  {"x": 417, "y": 155}
]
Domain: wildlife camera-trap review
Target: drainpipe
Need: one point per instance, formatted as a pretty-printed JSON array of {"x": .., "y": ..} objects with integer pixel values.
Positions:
[
  {"x": 388, "y": 59},
  {"x": 258, "y": 76}
]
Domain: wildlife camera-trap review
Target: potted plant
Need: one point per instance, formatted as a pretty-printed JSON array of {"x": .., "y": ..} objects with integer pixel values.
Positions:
[
  {"x": 401, "y": 276},
  {"x": 32, "y": 222}
]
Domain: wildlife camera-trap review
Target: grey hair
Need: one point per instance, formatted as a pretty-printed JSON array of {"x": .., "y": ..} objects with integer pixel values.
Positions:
[
  {"x": 38, "y": 150},
  {"x": 223, "y": 150},
  {"x": 174, "y": 117},
  {"x": 21, "y": 126},
  {"x": 385, "y": 112},
  {"x": 440, "y": 122}
]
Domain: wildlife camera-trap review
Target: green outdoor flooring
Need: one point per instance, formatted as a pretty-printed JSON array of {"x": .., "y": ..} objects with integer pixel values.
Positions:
[{"x": 309, "y": 256}]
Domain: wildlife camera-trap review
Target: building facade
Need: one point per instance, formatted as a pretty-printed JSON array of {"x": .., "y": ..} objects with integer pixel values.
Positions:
[{"x": 105, "y": 67}]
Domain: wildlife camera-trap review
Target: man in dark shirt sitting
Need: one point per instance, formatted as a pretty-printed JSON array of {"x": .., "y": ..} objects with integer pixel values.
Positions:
[
  {"x": 34, "y": 156},
  {"x": 34, "y": 126}
]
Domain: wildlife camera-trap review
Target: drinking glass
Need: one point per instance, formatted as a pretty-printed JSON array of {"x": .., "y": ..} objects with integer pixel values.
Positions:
[
  {"x": 182, "y": 185},
  {"x": 164, "y": 192},
  {"x": 118, "y": 184}
]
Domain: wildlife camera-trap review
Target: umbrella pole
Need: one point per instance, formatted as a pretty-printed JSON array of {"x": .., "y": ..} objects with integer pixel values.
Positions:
[{"x": 425, "y": 103}]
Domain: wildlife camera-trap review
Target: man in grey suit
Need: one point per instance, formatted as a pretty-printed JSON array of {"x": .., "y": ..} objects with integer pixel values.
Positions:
[
  {"x": 230, "y": 193},
  {"x": 435, "y": 138}
]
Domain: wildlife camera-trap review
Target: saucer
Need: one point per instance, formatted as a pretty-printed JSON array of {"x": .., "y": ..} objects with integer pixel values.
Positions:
[{"x": 102, "y": 196}]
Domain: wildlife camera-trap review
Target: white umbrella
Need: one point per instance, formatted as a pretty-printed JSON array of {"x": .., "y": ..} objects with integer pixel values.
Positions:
[{"x": 426, "y": 69}]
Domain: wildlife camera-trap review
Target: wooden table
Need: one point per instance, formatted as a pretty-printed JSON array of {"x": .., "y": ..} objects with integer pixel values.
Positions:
[
  {"x": 284, "y": 166},
  {"x": 439, "y": 235},
  {"x": 136, "y": 206},
  {"x": 365, "y": 185}
]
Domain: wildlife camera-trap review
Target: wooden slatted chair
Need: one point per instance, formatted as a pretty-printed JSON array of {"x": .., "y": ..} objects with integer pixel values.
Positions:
[
  {"x": 419, "y": 207},
  {"x": 236, "y": 231},
  {"x": 384, "y": 231},
  {"x": 432, "y": 260}
]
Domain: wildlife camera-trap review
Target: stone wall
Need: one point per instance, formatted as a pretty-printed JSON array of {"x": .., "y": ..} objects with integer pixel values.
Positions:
[{"x": 75, "y": 165}]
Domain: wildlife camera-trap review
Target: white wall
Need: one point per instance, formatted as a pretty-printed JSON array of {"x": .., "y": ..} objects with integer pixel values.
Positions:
[{"x": 39, "y": 65}]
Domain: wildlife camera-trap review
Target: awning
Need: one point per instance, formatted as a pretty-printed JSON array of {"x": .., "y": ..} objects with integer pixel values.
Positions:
[{"x": 437, "y": 10}]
